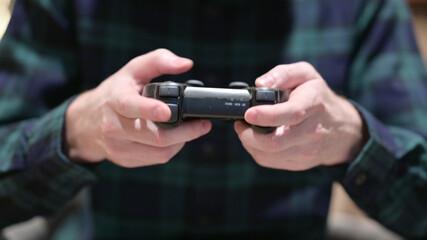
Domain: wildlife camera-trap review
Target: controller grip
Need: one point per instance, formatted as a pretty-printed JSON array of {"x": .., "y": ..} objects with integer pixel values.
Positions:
[
  {"x": 166, "y": 125},
  {"x": 263, "y": 130}
]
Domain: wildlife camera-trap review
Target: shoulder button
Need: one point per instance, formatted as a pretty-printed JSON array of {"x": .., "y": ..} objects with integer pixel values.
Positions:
[
  {"x": 195, "y": 83},
  {"x": 238, "y": 85}
]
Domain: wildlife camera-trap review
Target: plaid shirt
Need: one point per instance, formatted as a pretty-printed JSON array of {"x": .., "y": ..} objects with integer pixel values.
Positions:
[{"x": 365, "y": 50}]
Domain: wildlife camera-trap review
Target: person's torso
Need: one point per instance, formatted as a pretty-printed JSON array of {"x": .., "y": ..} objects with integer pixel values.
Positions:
[{"x": 213, "y": 188}]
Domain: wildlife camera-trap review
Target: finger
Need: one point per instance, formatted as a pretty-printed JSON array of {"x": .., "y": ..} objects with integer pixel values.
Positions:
[
  {"x": 186, "y": 132},
  {"x": 271, "y": 160},
  {"x": 156, "y": 63},
  {"x": 303, "y": 102},
  {"x": 146, "y": 132},
  {"x": 284, "y": 138},
  {"x": 133, "y": 154},
  {"x": 288, "y": 76},
  {"x": 274, "y": 142},
  {"x": 132, "y": 105},
  {"x": 295, "y": 158},
  {"x": 286, "y": 160}
]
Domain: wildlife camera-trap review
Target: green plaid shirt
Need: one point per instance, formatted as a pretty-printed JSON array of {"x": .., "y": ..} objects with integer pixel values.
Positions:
[{"x": 365, "y": 49}]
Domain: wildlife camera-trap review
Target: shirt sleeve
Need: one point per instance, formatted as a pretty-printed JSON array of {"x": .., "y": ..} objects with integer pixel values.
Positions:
[
  {"x": 38, "y": 76},
  {"x": 388, "y": 85}
]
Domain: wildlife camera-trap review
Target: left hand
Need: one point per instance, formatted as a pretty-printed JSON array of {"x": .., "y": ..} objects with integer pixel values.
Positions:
[{"x": 315, "y": 126}]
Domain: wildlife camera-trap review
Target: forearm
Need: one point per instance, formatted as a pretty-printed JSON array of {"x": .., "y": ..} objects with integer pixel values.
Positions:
[
  {"x": 388, "y": 179},
  {"x": 35, "y": 176}
]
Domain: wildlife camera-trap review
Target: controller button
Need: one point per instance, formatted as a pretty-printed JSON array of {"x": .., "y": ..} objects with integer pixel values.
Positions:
[
  {"x": 195, "y": 83},
  {"x": 174, "y": 112},
  {"x": 238, "y": 85},
  {"x": 265, "y": 96},
  {"x": 168, "y": 91}
]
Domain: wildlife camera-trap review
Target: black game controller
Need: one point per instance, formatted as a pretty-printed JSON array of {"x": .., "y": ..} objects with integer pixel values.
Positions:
[{"x": 192, "y": 100}]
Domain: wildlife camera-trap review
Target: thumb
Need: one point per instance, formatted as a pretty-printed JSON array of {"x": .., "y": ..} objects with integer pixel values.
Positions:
[{"x": 156, "y": 63}]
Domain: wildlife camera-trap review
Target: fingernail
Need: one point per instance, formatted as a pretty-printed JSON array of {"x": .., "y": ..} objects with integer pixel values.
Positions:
[{"x": 266, "y": 81}]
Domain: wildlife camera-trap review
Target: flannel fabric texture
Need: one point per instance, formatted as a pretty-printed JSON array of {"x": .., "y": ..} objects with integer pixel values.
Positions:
[{"x": 365, "y": 50}]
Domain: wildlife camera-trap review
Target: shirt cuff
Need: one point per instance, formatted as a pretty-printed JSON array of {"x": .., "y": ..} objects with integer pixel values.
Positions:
[
  {"x": 365, "y": 177},
  {"x": 46, "y": 161}
]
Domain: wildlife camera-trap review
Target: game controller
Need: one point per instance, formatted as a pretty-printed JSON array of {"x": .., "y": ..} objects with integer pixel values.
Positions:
[{"x": 193, "y": 100}]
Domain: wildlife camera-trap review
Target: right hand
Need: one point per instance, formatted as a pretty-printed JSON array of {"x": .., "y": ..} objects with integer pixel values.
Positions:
[{"x": 114, "y": 122}]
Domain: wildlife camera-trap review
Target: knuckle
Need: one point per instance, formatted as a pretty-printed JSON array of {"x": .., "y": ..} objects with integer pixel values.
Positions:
[
  {"x": 317, "y": 136},
  {"x": 280, "y": 73},
  {"x": 298, "y": 115},
  {"x": 161, "y": 54},
  {"x": 108, "y": 129},
  {"x": 306, "y": 65},
  {"x": 310, "y": 68},
  {"x": 287, "y": 73},
  {"x": 317, "y": 133},
  {"x": 107, "y": 103},
  {"x": 276, "y": 75},
  {"x": 134, "y": 62},
  {"x": 319, "y": 105},
  {"x": 161, "y": 51},
  {"x": 122, "y": 104}
]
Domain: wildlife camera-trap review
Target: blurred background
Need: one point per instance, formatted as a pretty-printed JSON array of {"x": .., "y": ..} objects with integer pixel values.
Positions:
[{"x": 346, "y": 220}]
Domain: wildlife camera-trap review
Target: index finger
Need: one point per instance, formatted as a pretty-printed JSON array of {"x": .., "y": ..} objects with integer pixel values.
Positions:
[
  {"x": 288, "y": 76},
  {"x": 156, "y": 63}
]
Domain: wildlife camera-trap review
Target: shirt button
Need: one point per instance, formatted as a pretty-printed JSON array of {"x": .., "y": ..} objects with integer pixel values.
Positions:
[{"x": 361, "y": 178}]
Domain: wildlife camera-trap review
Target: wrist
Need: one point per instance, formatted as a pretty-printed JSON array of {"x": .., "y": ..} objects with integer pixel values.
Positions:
[
  {"x": 77, "y": 144},
  {"x": 359, "y": 131},
  {"x": 354, "y": 134}
]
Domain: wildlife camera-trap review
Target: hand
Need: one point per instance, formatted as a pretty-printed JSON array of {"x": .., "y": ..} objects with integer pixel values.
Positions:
[
  {"x": 114, "y": 122},
  {"x": 315, "y": 126}
]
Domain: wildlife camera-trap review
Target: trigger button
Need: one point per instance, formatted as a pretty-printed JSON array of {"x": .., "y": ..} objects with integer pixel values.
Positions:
[
  {"x": 195, "y": 83},
  {"x": 238, "y": 85}
]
